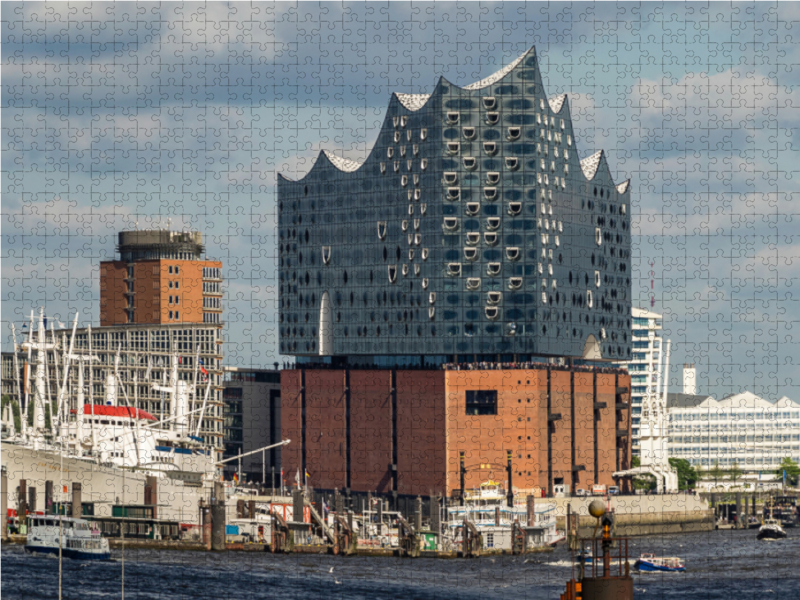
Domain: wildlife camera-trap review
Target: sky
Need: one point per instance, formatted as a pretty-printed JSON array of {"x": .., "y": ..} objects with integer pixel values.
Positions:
[{"x": 180, "y": 115}]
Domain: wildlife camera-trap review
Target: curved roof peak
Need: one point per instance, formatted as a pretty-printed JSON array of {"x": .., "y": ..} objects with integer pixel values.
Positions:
[
  {"x": 590, "y": 164},
  {"x": 343, "y": 164},
  {"x": 498, "y": 75},
  {"x": 623, "y": 187},
  {"x": 412, "y": 102},
  {"x": 557, "y": 102}
]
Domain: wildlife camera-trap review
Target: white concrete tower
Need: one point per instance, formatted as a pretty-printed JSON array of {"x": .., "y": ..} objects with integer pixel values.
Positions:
[{"x": 689, "y": 379}]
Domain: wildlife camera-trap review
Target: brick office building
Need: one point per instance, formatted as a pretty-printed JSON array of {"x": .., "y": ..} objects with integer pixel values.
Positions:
[
  {"x": 405, "y": 431},
  {"x": 471, "y": 235},
  {"x": 160, "y": 278}
]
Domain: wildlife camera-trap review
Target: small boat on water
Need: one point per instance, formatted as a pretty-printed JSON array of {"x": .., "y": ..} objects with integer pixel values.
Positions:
[
  {"x": 78, "y": 539},
  {"x": 771, "y": 530},
  {"x": 651, "y": 562}
]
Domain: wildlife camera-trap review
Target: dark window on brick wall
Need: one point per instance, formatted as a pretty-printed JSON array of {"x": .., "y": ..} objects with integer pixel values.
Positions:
[{"x": 481, "y": 402}]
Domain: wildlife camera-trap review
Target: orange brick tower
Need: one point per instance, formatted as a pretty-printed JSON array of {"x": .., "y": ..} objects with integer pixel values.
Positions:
[{"x": 160, "y": 278}]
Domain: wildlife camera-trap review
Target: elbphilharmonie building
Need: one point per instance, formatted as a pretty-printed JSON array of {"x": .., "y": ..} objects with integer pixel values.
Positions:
[{"x": 473, "y": 228}]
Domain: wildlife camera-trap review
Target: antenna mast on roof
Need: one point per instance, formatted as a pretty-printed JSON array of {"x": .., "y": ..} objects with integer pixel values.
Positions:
[{"x": 652, "y": 276}]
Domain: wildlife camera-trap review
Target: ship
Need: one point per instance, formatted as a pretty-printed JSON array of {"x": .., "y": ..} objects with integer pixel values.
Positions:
[
  {"x": 73, "y": 538},
  {"x": 113, "y": 451},
  {"x": 771, "y": 530},
  {"x": 486, "y": 508},
  {"x": 651, "y": 562}
]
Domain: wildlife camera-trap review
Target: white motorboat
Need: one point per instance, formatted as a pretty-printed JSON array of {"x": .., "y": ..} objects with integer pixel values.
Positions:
[
  {"x": 771, "y": 530},
  {"x": 77, "y": 538}
]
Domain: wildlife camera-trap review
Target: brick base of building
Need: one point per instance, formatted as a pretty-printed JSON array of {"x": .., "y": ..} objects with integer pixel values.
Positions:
[{"x": 409, "y": 431}]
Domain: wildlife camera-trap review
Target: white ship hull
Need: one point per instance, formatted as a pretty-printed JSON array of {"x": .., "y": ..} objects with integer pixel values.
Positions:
[{"x": 99, "y": 484}]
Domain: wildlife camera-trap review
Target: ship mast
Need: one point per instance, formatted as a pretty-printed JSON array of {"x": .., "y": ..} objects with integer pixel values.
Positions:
[{"x": 41, "y": 346}]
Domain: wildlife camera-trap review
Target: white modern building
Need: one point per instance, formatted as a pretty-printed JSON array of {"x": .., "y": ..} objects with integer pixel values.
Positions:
[
  {"x": 742, "y": 429},
  {"x": 649, "y": 371},
  {"x": 646, "y": 369}
]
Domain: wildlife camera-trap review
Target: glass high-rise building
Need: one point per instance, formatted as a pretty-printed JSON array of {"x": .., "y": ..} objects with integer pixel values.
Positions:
[
  {"x": 646, "y": 367},
  {"x": 472, "y": 229}
]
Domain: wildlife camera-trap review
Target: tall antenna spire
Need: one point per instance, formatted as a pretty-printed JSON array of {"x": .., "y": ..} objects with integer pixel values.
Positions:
[{"x": 652, "y": 276}]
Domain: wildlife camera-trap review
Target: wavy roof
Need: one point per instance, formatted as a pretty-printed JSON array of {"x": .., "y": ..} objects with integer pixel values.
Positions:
[
  {"x": 497, "y": 76},
  {"x": 343, "y": 164},
  {"x": 413, "y": 101},
  {"x": 590, "y": 164}
]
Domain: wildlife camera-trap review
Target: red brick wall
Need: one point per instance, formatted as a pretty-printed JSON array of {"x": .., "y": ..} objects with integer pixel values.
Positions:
[
  {"x": 606, "y": 429},
  {"x": 326, "y": 443},
  {"x": 291, "y": 458},
  {"x": 485, "y": 439},
  {"x": 433, "y": 428},
  {"x": 561, "y": 440},
  {"x": 584, "y": 429},
  {"x": 112, "y": 293},
  {"x": 371, "y": 430},
  {"x": 420, "y": 432}
]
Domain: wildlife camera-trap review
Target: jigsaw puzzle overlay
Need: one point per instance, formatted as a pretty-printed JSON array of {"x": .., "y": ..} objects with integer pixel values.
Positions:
[{"x": 215, "y": 118}]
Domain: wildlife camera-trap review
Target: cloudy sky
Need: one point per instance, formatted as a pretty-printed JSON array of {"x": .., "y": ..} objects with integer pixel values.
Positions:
[{"x": 121, "y": 114}]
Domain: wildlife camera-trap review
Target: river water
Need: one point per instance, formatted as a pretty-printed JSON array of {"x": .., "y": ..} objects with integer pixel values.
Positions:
[{"x": 721, "y": 564}]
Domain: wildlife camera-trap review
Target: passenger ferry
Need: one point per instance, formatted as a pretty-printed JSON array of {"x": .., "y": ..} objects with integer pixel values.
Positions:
[
  {"x": 487, "y": 508},
  {"x": 651, "y": 562},
  {"x": 78, "y": 540}
]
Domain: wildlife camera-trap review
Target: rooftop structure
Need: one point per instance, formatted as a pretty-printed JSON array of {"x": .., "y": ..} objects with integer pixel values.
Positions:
[{"x": 473, "y": 228}]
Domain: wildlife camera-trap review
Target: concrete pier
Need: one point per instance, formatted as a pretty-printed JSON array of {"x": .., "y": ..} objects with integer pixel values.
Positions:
[
  {"x": 218, "y": 517},
  {"x": 642, "y": 514}
]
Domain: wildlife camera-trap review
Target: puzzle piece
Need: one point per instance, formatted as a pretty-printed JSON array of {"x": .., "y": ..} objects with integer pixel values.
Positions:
[{"x": 424, "y": 315}]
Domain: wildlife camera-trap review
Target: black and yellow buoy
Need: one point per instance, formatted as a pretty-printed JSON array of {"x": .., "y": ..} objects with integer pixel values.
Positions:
[{"x": 605, "y": 585}]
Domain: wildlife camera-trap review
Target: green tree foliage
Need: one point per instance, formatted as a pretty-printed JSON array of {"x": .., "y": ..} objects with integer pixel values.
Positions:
[
  {"x": 716, "y": 472},
  {"x": 734, "y": 473},
  {"x": 15, "y": 412},
  {"x": 642, "y": 482},
  {"x": 792, "y": 471},
  {"x": 687, "y": 476}
]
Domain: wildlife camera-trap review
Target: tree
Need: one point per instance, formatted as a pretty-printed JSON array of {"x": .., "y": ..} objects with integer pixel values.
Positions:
[
  {"x": 715, "y": 472},
  {"x": 642, "y": 482},
  {"x": 687, "y": 476},
  {"x": 15, "y": 412},
  {"x": 735, "y": 472},
  {"x": 792, "y": 471}
]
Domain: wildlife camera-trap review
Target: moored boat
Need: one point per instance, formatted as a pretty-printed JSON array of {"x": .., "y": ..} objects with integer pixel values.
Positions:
[
  {"x": 486, "y": 508},
  {"x": 78, "y": 539},
  {"x": 651, "y": 562},
  {"x": 771, "y": 530}
]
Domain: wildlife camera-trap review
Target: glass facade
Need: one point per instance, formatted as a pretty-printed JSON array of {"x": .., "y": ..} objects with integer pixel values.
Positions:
[{"x": 471, "y": 228}]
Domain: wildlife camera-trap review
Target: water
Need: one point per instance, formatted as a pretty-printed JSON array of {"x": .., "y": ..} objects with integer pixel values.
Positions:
[{"x": 725, "y": 565}]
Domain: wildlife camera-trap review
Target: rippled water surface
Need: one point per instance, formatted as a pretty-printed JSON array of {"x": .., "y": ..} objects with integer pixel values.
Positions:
[{"x": 722, "y": 564}]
